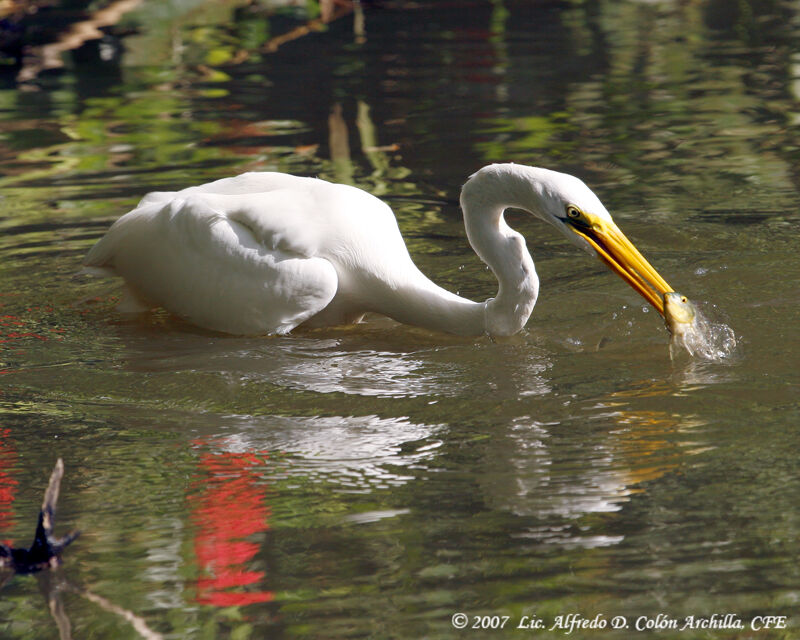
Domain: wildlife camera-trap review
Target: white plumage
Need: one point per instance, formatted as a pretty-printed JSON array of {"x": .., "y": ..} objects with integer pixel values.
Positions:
[{"x": 266, "y": 252}]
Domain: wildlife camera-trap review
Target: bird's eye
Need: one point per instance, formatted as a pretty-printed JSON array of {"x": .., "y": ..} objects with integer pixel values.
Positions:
[
  {"x": 573, "y": 212},
  {"x": 684, "y": 299}
]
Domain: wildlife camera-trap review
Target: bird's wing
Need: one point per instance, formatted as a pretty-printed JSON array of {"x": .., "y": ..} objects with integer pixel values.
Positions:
[
  {"x": 240, "y": 263},
  {"x": 246, "y": 183}
]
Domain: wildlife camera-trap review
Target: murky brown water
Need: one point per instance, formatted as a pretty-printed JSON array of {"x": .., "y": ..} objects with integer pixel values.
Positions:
[{"x": 373, "y": 481}]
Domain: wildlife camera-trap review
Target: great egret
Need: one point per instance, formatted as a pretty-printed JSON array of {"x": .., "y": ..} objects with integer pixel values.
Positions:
[{"x": 263, "y": 253}]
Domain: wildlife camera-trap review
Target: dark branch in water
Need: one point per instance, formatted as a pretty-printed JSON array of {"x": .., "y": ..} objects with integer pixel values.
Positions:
[
  {"x": 46, "y": 549},
  {"x": 45, "y": 552}
]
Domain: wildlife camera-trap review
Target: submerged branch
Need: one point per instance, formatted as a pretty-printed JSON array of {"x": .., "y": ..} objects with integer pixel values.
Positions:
[
  {"x": 137, "y": 622},
  {"x": 45, "y": 551}
]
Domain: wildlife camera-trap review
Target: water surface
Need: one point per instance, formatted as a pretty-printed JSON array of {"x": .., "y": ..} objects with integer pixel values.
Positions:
[{"x": 372, "y": 481}]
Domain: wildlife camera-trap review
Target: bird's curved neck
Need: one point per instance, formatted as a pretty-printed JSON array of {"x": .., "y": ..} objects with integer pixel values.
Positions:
[
  {"x": 484, "y": 198},
  {"x": 420, "y": 302}
]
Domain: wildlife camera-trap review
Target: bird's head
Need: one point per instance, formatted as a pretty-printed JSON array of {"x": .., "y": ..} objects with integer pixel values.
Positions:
[
  {"x": 565, "y": 202},
  {"x": 568, "y": 204}
]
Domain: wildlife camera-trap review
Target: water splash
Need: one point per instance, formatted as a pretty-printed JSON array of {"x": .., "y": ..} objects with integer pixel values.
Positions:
[{"x": 707, "y": 339}]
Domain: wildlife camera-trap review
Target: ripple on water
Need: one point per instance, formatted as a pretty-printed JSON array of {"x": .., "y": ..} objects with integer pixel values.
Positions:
[{"x": 356, "y": 453}]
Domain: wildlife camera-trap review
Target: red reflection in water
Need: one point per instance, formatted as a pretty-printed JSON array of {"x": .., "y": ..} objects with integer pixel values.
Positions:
[
  {"x": 8, "y": 484},
  {"x": 228, "y": 508}
]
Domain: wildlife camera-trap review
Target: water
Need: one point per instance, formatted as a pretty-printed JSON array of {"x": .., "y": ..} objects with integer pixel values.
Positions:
[{"x": 373, "y": 481}]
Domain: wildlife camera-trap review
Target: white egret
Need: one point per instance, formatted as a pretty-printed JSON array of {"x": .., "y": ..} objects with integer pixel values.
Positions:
[{"x": 264, "y": 253}]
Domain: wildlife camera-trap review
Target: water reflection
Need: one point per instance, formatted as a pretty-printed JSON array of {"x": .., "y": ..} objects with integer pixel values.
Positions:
[
  {"x": 582, "y": 479},
  {"x": 361, "y": 372},
  {"x": 228, "y": 509},
  {"x": 692, "y": 375},
  {"x": 8, "y": 483},
  {"x": 415, "y": 466},
  {"x": 50, "y": 56},
  {"x": 339, "y": 145},
  {"x": 357, "y": 453},
  {"x": 556, "y": 473},
  {"x": 378, "y": 359}
]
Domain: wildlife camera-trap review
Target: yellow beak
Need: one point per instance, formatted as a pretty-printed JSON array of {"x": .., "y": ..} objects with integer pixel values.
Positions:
[{"x": 622, "y": 258}]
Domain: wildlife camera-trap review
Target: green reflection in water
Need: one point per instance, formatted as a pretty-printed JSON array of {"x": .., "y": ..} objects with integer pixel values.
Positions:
[{"x": 383, "y": 470}]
